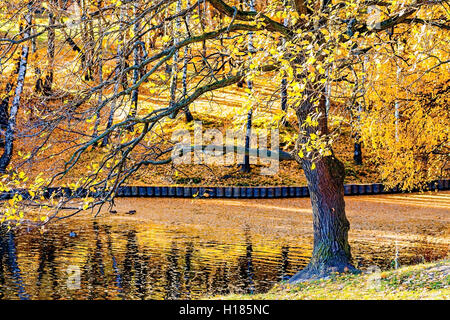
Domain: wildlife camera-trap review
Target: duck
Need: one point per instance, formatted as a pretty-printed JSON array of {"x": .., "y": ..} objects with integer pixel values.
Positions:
[{"x": 73, "y": 234}]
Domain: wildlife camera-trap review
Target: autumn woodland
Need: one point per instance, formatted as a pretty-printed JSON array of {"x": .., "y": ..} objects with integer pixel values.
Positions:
[{"x": 99, "y": 95}]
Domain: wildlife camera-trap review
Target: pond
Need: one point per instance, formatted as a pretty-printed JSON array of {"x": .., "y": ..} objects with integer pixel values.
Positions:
[{"x": 189, "y": 249}]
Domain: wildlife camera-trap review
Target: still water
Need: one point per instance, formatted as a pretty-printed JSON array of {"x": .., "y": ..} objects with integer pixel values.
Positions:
[{"x": 164, "y": 255}]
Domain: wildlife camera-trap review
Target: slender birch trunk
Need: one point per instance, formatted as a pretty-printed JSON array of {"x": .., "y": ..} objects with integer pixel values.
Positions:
[{"x": 5, "y": 159}]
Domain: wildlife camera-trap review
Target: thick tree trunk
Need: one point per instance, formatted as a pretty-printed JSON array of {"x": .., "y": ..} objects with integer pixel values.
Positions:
[
  {"x": 325, "y": 176},
  {"x": 331, "y": 251}
]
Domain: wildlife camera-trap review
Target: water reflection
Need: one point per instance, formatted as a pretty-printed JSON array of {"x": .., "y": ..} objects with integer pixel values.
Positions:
[
  {"x": 246, "y": 271},
  {"x": 284, "y": 263},
  {"x": 145, "y": 261},
  {"x": 8, "y": 261},
  {"x": 47, "y": 265}
]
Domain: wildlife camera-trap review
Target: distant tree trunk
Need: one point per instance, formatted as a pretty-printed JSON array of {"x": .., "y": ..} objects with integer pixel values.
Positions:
[
  {"x": 5, "y": 159},
  {"x": 246, "y": 165},
  {"x": 85, "y": 66},
  {"x": 118, "y": 73},
  {"x": 331, "y": 251},
  {"x": 248, "y": 134},
  {"x": 37, "y": 70},
  {"x": 100, "y": 78},
  {"x": 284, "y": 95},
  {"x": 201, "y": 14},
  {"x": 174, "y": 70},
  {"x": 136, "y": 72},
  {"x": 357, "y": 152},
  {"x": 4, "y": 114},
  {"x": 84, "y": 57},
  {"x": 186, "y": 110},
  {"x": 48, "y": 82}
]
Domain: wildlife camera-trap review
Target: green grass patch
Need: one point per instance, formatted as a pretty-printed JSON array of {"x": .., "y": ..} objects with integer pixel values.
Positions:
[{"x": 423, "y": 281}]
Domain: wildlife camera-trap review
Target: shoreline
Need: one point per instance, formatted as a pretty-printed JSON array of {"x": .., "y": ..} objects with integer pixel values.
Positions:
[
  {"x": 415, "y": 282},
  {"x": 234, "y": 192}
]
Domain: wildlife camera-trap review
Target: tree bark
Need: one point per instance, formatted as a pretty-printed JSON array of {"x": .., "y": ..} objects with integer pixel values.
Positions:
[
  {"x": 48, "y": 81},
  {"x": 357, "y": 152},
  {"x": 120, "y": 66},
  {"x": 331, "y": 250},
  {"x": 5, "y": 159},
  {"x": 100, "y": 77},
  {"x": 4, "y": 114},
  {"x": 174, "y": 70},
  {"x": 187, "y": 112},
  {"x": 136, "y": 72},
  {"x": 251, "y": 49}
]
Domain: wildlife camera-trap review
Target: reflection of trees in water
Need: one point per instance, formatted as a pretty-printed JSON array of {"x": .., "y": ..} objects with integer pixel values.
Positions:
[
  {"x": 8, "y": 260},
  {"x": 221, "y": 280},
  {"x": 116, "y": 264},
  {"x": 117, "y": 274},
  {"x": 129, "y": 272},
  {"x": 134, "y": 268},
  {"x": 93, "y": 272},
  {"x": 141, "y": 268},
  {"x": 245, "y": 265},
  {"x": 284, "y": 263},
  {"x": 188, "y": 274},
  {"x": 47, "y": 255},
  {"x": 2, "y": 271},
  {"x": 173, "y": 275}
]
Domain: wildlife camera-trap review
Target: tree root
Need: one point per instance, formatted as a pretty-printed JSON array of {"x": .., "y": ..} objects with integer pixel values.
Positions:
[{"x": 322, "y": 271}]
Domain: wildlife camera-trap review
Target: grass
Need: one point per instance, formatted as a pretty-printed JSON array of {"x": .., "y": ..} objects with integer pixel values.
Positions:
[{"x": 423, "y": 281}]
